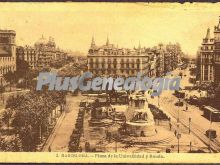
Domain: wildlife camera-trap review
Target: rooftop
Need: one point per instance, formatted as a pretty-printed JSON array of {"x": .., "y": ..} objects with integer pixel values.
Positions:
[{"x": 7, "y": 31}]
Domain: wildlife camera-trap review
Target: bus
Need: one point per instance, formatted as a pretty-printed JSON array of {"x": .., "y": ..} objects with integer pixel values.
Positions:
[{"x": 211, "y": 113}]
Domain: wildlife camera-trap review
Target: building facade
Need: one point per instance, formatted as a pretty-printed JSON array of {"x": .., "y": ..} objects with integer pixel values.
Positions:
[
  {"x": 41, "y": 54},
  {"x": 46, "y": 50},
  {"x": 7, "y": 53},
  {"x": 209, "y": 56},
  {"x": 217, "y": 52},
  {"x": 28, "y": 54},
  {"x": 113, "y": 61},
  {"x": 152, "y": 62}
]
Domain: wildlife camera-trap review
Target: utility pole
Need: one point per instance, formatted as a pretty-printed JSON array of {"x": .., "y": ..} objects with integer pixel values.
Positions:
[
  {"x": 210, "y": 132},
  {"x": 178, "y": 129},
  {"x": 189, "y": 124},
  {"x": 178, "y": 137}
]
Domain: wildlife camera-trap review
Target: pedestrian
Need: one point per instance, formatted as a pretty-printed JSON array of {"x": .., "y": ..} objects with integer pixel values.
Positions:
[
  {"x": 169, "y": 119},
  {"x": 190, "y": 146},
  {"x": 175, "y": 132},
  {"x": 170, "y": 126}
]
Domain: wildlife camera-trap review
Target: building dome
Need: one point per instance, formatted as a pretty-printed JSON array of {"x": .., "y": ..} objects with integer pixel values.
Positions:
[
  {"x": 41, "y": 41},
  {"x": 51, "y": 42}
]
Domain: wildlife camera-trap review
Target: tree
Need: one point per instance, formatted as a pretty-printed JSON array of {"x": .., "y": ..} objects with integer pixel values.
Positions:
[
  {"x": 22, "y": 68},
  {"x": 2, "y": 90},
  {"x": 216, "y": 101},
  {"x": 6, "y": 117},
  {"x": 12, "y": 143},
  {"x": 9, "y": 77},
  {"x": 31, "y": 115}
]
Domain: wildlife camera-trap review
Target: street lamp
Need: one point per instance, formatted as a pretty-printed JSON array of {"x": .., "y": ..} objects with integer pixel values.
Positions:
[
  {"x": 178, "y": 119},
  {"x": 210, "y": 132},
  {"x": 178, "y": 138},
  {"x": 189, "y": 123},
  {"x": 158, "y": 102}
]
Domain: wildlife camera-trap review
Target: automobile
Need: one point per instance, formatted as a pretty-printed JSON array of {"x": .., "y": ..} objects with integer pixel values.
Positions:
[
  {"x": 83, "y": 104},
  {"x": 18, "y": 89},
  {"x": 212, "y": 133},
  {"x": 194, "y": 100},
  {"x": 188, "y": 88}
]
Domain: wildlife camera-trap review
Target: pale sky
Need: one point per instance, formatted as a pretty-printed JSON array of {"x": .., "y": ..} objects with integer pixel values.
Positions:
[{"x": 73, "y": 24}]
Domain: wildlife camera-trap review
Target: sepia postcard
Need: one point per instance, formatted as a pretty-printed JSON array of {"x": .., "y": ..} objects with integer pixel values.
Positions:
[{"x": 109, "y": 82}]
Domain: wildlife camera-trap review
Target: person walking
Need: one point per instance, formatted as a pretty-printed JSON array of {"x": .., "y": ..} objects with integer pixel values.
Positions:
[{"x": 175, "y": 132}]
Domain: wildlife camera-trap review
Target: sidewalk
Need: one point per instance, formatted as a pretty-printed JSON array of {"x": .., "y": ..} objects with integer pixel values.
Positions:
[
  {"x": 59, "y": 140},
  {"x": 53, "y": 134}
]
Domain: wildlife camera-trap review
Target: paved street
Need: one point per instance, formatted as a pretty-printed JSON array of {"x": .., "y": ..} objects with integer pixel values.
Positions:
[
  {"x": 59, "y": 139},
  {"x": 199, "y": 124}
]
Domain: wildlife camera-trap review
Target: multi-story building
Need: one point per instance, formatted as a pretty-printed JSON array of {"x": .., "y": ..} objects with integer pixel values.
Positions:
[
  {"x": 217, "y": 52},
  {"x": 7, "y": 53},
  {"x": 209, "y": 55},
  {"x": 152, "y": 62},
  {"x": 207, "y": 58},
  {"x": 158, "y": 59},
  {"x": 198, "y": 64},
  {"x": 46, "y": 50},
  {"x": 175, "y": 53},
  {"x": 111, "y": 60},
  {"x": 41, "y": 54},
  {"x": 167, "y": 62},
  {"x": 60, "y": 55},
  {"x": 28, "y": 54}
]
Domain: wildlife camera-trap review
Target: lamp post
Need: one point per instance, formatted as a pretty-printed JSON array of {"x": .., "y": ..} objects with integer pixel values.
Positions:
[
  {"x": 178, "y": 130},
  {"x": 186, "y": 106},
  {"x": 189, "y": 124},
  {"x": 178, "y": 119},
  {"x": 158, "y": 102},
  {"x": 178, "y": 137},
  {"x": 210, "y": 132}
]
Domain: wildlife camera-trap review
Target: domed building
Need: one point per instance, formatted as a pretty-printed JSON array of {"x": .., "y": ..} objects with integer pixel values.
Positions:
[{"x": 46, "y": 49}]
